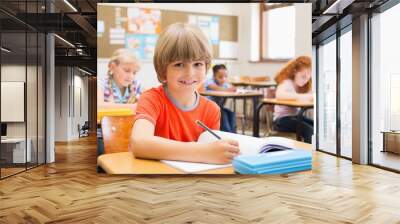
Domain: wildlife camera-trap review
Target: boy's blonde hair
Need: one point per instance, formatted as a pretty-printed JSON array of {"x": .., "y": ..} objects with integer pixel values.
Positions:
[{"x": 180, "y": 42}]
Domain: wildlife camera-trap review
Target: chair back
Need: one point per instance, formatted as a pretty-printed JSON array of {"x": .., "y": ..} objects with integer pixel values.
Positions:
[
  {"x": 263, "y": 78},
  {"x": 244, "y": 78},
  {"x": 117, "y": 132},
  {"x": 270, "y": 94},
  {"x": 113, "y": 112},
  {"x": 86, "y": 125}
]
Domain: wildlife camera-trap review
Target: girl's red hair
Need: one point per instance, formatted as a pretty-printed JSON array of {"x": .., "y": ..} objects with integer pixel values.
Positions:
[{"x": 291, "y": 68}]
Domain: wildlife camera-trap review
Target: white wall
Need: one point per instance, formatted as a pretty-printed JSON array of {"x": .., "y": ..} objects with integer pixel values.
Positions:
[
  {"x": 67, "y": 83},
  {"x": 61, "y": 103},
  {"x": 34, "y": 124},
  {"x": 247, "y": 22},
  {"x": 15, "y": 72}
]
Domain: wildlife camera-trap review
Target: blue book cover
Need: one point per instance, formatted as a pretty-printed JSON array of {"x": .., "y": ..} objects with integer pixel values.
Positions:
[
  {"x": 274, "y": 162},
  {"x": 271, "y": 166},
  {"x": 276, "y": 170}
]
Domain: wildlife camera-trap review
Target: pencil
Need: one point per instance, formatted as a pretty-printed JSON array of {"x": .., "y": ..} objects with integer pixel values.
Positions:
[{"x": 207, "y": 128}]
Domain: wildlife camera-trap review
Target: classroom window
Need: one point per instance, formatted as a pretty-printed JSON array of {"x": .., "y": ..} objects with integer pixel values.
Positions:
[
  {"x": 385, "y": 87},
  {"x": 327, "y": 96},
  {"x": 345, "y": 94},
  {"x": 277, "y": 31}
]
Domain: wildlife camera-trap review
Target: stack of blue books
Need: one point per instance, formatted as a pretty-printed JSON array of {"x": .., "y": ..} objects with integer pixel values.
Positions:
[{"x": 273, "y": 162}]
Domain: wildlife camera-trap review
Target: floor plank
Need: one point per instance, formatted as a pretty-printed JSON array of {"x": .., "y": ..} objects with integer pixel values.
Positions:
[{"x": 70, "y": 191}]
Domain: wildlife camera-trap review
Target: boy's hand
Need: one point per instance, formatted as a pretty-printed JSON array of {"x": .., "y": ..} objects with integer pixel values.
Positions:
[{"x": 221, "y": 152}]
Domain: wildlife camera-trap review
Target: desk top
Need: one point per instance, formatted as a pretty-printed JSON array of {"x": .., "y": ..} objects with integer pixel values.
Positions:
[
  {"x": 396, "y": 132},
  {"x": 125, "y": 163},
  {"x": 291, "y": 103},
  {"x": 254, "y": 83},
  {"x": 231, "y": 94}
]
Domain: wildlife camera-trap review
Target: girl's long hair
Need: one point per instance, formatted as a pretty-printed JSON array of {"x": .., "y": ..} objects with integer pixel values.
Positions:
[
  {"x": 291, "y": 68},
  {"x": 122, "y": 55}
]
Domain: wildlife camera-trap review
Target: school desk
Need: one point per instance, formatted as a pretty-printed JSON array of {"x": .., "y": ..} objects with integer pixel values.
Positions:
[
  {"x": 391, "y": 141},
  {"x": 112, "y": 112},
  {"x": 303, "y": 105},
  {"x": 255, "y": 84},
  {"x": 255, "y": 95},
  {"x": 126, "y": 163}
]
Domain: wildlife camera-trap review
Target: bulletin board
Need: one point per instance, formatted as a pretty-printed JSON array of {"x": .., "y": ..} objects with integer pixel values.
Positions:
[{"x": 138, "y": 29}]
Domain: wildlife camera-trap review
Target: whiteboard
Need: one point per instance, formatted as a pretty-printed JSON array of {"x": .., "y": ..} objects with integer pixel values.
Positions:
[{"x": 12, "y": 101}]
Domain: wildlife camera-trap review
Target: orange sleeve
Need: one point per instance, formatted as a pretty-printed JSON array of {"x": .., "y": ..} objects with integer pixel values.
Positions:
[
  {"x": 148, "y": 107},
  {"x": 214, "y": 116}
]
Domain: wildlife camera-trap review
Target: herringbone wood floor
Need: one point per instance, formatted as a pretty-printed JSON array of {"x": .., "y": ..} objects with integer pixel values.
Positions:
[{"x": 70, "y": 191}]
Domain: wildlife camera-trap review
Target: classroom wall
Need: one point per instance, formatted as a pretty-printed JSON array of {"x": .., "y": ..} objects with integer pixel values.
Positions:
[
  {"x": 247, "y": 38},
  {"x": 249, "y": 24},
  {"x": 71, "y": 95}
]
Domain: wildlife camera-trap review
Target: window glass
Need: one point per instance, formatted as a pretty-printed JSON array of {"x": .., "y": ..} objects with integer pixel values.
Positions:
[
  {"x": 385, "y": 89},
  {"x": 327, "y": 97},
  {"x": 278, "y": 37},
  {"x": 346, "y": 94}
]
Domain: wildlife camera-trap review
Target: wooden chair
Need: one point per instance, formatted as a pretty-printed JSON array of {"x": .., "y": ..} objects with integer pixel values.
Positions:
[
  {"x": 271, "y": 92},
  {"x": 117, "y": 132},
  {"x": 113, "y": 112}
]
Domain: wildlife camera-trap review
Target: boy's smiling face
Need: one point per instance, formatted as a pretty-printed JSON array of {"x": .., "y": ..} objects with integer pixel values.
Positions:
[{"x": 185, "y": 75}]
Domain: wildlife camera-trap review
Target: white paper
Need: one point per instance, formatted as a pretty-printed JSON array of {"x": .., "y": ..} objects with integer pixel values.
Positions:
[
  {"x": 248, "y": 146},
  {"x": 228, "y": 49},
  {"x": 189, "y": 167}
]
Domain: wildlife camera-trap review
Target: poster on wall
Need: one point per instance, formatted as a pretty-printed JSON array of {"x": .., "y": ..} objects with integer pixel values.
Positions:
[
  {"x": 144, "y": 21},
  {"x": 143, "y": 45},
  {"x": 138, "y": 30},
  {"x": 142, "y": 27},
  {"x": 209, "y": 25}
]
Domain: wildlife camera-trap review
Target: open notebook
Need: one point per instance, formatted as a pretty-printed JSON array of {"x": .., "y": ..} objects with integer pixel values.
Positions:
[{"x": 248, "y": 146}]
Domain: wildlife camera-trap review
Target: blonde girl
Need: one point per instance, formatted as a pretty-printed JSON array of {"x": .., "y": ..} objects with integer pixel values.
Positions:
[{"x": 120, "y": 89}]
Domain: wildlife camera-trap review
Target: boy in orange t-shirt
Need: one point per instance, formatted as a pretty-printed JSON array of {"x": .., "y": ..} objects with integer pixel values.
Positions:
[{"x": 165, "y": 123}]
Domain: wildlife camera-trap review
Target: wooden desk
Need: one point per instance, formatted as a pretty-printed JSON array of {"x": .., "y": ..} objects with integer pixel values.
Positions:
[
  {"x": 13, "y": 150},
  {"x": 113, "y": 112},
  {"x": 256, "y": 84},
  {"x": 125, "y": 163},
  {"x": 290, "y": 103},
  {"x": 255, "y": 95},
  {"x": 391, "y": 141}
]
